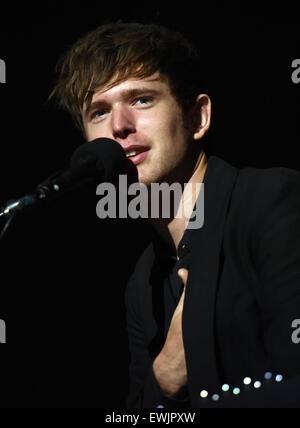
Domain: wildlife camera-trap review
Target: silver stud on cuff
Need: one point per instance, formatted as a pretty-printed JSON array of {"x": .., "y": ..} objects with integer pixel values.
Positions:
[
  {"x": 225, "y": 387},
  {"x": 257, "y": 384},
  {"x": 268, "y": 375},
  {"x": 215, "y": 397},
  {"x": 247, "y": 381},
  {"x": 237, "y": 390},
  {"x": 203, "y": 394}
]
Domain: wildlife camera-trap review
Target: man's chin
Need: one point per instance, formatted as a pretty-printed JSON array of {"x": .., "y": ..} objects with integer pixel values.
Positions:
[
  {"x": 140, "y": 174},
  {"x": 147, "y": 180}
]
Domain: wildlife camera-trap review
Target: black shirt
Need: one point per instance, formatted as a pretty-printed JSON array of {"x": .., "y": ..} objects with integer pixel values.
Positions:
[
  {"x": 170, "y": 287},
  {"x": 170, "y": 264}
]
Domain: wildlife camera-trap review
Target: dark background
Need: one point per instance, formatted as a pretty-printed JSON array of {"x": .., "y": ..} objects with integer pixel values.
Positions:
[{"x": 63, "y": 271}]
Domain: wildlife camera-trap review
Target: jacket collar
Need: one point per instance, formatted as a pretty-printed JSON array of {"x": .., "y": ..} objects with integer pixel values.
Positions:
[{"x": 199, "y": 307}]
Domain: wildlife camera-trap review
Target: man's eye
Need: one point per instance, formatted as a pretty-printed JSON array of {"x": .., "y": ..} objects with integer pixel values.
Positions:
[
  {"x": 144, "y": 100},
  {"x": 98, "y": 114}
]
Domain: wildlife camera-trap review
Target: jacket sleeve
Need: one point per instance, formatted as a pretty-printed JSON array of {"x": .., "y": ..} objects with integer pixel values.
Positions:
[
  {"x": 144, "y": 390},
  {"x": 277, "y": 259}
]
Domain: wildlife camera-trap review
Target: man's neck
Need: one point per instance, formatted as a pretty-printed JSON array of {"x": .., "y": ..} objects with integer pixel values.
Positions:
[{"x": 172, "y": 230}]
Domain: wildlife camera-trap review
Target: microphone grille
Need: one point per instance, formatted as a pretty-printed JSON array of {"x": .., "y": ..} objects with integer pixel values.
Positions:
[{"x": 106, "y": 155}]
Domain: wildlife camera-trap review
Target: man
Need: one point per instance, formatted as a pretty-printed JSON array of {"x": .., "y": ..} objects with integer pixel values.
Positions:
[{"x": 206, "y": 307}]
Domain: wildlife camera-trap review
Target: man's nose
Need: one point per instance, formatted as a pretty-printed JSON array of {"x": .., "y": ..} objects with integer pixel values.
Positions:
[{"x": 123, "y": 122}]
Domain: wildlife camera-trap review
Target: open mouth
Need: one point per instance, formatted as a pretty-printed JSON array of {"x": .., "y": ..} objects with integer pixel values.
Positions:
[
  {"x": 131, "y": 153},
  {"x": 137, "y": 154}
]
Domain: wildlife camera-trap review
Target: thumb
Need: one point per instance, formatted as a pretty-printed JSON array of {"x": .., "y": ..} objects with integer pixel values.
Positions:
[{"x": 183, "y": 275}]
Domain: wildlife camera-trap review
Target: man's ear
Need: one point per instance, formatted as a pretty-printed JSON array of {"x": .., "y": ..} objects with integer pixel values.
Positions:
[{"x": 201, "y": 116}]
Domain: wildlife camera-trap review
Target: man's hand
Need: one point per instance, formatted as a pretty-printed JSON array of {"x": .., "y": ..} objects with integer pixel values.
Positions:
[{"x": 170, "y": 365}]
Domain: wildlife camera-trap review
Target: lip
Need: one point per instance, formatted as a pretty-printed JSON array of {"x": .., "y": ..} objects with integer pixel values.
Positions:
[
  {"x": 137, "y": 159},
  {"x": 136, "y": 147}
]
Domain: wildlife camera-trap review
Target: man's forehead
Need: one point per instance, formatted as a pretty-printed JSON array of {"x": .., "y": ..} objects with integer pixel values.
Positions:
[{"x": 153, "y": 81}]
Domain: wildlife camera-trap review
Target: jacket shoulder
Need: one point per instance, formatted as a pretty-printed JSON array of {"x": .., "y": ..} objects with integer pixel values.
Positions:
[
  {"x": 268, "y": 177},
  {"x": 264, "y": 186}
]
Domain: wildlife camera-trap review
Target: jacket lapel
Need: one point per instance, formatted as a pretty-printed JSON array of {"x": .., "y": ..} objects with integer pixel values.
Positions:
[{"x": 199, "y": 308}]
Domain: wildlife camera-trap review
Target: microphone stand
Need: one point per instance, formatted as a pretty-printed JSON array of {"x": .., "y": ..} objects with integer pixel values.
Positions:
[
  {"x": 87, "y": 165},
  {"x": 6, "y": 225},
  {"x": 52, "y": 188},
  {"x": 43, "y": 191}
]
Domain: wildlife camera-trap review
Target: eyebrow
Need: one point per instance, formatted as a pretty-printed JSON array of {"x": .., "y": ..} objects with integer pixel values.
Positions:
[{"x": 126, "y": 95}]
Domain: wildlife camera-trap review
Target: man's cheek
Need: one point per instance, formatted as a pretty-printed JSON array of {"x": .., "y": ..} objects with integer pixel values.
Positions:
[
  {"x": 89, "y": 132},
  {"x": 95, "y": 131}
]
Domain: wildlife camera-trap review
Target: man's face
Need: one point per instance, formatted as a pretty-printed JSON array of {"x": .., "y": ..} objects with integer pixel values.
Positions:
[{"x": 146, "y": 120}]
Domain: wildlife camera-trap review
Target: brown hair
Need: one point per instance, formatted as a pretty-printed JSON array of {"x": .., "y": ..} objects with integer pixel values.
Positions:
[{"x": 116, "y": 51}]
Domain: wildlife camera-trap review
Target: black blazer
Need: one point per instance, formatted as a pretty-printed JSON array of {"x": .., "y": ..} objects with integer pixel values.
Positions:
[{"x": 242, "y": 295}]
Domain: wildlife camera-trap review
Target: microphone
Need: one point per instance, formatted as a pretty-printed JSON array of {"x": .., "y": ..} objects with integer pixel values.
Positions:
[{"x": 102, "y": 159}]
